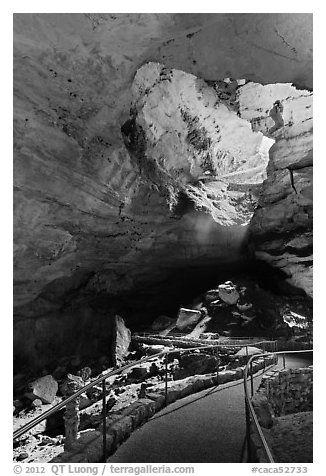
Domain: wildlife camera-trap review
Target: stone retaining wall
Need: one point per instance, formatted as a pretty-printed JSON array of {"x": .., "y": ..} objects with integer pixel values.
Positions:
[
  {"x": 283, "y": 392},
  {"x": 290, "y": 391},
  {"x": 120, "y": 425}
]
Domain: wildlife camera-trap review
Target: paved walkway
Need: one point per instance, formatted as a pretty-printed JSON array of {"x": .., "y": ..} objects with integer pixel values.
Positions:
[{"x": 207, "y": 427}]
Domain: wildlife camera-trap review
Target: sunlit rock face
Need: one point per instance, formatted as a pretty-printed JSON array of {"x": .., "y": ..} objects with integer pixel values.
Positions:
[
  {"x": 185, "y": 138},
  {"x": 90, "y": 218},
  {"x": 281, "y": 229}
]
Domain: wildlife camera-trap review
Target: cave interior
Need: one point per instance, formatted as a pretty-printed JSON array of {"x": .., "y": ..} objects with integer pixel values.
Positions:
[{"x": 145, "y": 175}]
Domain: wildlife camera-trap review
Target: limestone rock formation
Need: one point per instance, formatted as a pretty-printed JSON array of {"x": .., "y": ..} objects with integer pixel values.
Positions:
[
  {"x": 199, "y": 329},
  {"x": 184, "y": 138},
  {"x": 187, "y": 317},
  {"x": 228, "y": 293},
  {"x": 96, "y": 217},
  {"x": 45, "y": 388},
  {"x": 196, "y": 364},
  {"x": 281, "y": 228},
  {"x": 121, "y": 340}
]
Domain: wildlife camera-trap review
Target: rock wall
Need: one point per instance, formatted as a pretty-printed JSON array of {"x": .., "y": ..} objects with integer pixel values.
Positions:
[
  {"x": 184, "y": 137},
  {"x": 281, "y": 228},
  {"x": 89, "y": 223},
  {"x": 287, "y": 391},
  {"x": 283, "y": 405}
]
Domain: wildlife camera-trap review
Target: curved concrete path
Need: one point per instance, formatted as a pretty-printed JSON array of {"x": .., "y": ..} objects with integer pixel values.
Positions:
[{"x": 207, "y": 427}]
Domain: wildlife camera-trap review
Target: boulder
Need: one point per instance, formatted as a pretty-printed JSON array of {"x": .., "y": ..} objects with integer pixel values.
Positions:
[
  {"x": 44, "y": 388},
  {"x": 121, "y": 340},
  {"x": 187, "y": 317},
  {"x": 196, "y": 364},
  {"x": 199, "y": 328},
  {"x": 228, "y": 293},
  {"x": 37, "y": 403},
  {"x": 292, "y": 319}
]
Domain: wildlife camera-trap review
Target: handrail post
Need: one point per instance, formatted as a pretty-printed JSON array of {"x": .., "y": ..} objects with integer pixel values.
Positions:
[
  {"x": 251, "y": 415},
  {"x": 248, "y": 432},
  {"x": 217, "y": 369},
  {"x": 72, "y": 420},
  {"x": 283, "y": 360},
  {"x": 166, "y": 380},
  {"x": 251, "y": 380},
  {"x": 71, "y": 398},
  {"x": 104, "y": 419},
  {"x": 264, "y": 360},
  {"x": 71, "y": 415}
]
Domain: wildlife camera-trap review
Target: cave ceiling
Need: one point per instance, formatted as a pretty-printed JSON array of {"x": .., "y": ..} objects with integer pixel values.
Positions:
[{"x": 84, "y": 215}]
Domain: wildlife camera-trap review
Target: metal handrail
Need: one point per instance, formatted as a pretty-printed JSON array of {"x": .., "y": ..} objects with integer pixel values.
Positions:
[
  {"x": 240, "y": 341},
  {"x": 249, "y": 406},
  {"x": 173, "y": 334},
  {"x": 28, "y": 426}
]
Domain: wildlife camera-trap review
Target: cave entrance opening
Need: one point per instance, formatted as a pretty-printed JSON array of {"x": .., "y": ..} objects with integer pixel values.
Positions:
[{"x": 205, "y": 145}]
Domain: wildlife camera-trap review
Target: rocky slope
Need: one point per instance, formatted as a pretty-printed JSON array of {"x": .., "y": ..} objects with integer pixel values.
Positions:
[{"x": 92, "y": 218}]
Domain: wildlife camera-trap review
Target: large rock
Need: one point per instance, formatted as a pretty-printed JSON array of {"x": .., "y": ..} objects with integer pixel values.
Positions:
[
  {"x": 228, "y": 293},
  {"x": 121, "y": 340},
  {"x": 196, "y": 364},
  {"x": 292, "y": 319},
  {"x": 199, "y": 329},
  {"x": 44, "y": 388},
  {"x": 281, "y": 228},
  {"x": 187, "y": 317}
]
